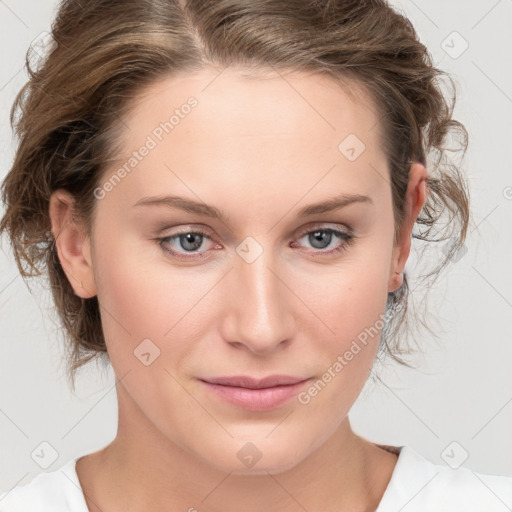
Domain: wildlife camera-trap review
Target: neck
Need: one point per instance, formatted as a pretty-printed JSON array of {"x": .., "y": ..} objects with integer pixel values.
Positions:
[{"x": 141, "y": 470}]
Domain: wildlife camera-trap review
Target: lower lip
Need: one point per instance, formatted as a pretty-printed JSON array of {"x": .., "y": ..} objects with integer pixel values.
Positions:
[{"x": 257, "y": 399}]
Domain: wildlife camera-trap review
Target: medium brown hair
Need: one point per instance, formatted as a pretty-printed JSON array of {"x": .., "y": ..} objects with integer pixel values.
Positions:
[{"x": 67, "y": 114}]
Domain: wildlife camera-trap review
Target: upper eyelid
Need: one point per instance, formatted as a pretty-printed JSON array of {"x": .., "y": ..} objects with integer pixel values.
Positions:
[
  {"x": 324, "y": 227},
  {"x": 319, "y": 226}
]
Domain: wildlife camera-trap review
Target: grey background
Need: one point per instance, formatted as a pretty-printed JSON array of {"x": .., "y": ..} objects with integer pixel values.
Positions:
[{"x": 462, "y": 390}]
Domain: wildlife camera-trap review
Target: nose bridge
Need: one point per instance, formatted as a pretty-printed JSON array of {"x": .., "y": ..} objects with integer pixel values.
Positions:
[{"x": 260, "y": 315}]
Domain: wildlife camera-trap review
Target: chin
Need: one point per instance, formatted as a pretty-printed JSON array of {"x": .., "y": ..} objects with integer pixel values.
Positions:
[{"x": 259, "y": 457}]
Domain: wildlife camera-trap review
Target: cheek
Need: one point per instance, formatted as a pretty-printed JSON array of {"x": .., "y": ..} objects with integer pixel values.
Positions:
[
  {"x": 353, "y": 308},
  {"x": 351, "y": 298},
  {"x": 144, "y": 299},
  {"x": 351, "y": 303}
]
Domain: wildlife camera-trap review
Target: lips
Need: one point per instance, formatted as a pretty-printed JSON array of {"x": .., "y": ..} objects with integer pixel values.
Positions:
[
  {"x": 243, "y": 381},
  {"x": 255, "y": 394}
]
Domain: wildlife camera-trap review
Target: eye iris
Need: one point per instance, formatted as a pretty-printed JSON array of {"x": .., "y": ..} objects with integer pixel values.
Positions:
[
  {"x": 195, "y": 239},
  {"x": 320, "y": 237}
]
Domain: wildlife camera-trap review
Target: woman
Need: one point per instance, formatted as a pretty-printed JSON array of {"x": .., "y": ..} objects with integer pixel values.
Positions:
[{"x": 224, "y": 195}]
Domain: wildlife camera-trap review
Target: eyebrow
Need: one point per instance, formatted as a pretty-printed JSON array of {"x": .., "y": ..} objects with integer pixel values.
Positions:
[{"x": 191, "y": 206}]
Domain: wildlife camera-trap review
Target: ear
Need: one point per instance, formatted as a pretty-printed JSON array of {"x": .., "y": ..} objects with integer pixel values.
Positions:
[
  {"x": 414, "y": 200},
  {"x": 72, "y": 244}
]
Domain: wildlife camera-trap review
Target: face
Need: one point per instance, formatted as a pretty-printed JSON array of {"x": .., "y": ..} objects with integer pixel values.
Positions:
[{"x": 249, "y": 280}]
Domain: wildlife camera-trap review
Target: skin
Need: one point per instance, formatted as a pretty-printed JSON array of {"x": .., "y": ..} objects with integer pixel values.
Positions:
[{"x": 260, "y": 149}]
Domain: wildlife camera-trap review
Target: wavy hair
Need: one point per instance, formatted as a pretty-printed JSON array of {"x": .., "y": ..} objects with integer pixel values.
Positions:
[{"x": 66, "y": 116}]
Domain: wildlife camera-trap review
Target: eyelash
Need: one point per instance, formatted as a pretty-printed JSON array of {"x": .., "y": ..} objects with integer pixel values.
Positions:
[{"x": 346, "y": 237}]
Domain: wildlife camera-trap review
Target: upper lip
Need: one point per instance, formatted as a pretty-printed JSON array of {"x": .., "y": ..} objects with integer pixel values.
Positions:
[{"x": 244, "y": 381}]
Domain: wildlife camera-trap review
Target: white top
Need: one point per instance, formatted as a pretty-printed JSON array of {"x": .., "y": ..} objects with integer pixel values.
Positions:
[{"x": 416, "y": 485}]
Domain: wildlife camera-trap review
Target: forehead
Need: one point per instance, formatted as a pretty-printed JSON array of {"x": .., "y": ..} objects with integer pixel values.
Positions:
[
  {"x": 275, "y": 102},
  {"x": 253, "y": 129}
]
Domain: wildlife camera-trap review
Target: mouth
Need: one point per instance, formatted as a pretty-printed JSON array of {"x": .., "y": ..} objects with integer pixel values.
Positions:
[{"x": 255, "y": 394}]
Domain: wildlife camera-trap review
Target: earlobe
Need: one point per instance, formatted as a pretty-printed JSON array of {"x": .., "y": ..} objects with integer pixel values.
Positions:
[
  {"x": 72, "y": 244},
  {"x": 395, "y": 281},
  {"x": 414, "y": 201}
]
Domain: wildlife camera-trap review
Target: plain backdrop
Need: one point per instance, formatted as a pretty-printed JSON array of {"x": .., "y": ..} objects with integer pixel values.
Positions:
[{"x": 459, "y": 400}]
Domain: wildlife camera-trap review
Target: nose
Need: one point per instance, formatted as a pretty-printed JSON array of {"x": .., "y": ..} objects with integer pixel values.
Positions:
[{"x": 258, "y": 310}]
